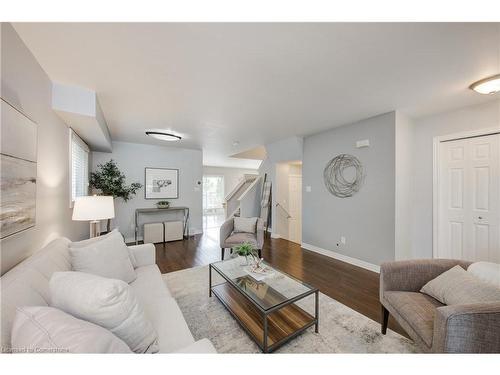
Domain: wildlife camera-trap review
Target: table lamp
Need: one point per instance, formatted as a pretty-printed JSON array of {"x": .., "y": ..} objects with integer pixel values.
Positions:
[{"x": 93, "y": 208}]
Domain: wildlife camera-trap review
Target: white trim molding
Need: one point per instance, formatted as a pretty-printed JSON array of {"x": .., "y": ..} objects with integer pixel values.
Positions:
[{"x": 343, "y": 258}]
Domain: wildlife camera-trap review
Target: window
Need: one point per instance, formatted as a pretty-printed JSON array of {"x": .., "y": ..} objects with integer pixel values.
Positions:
[{"x": 79, "y": 166}]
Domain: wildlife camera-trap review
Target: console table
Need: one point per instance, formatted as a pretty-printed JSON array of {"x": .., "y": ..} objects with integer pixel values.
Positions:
[{"x": 145, "y": 211}]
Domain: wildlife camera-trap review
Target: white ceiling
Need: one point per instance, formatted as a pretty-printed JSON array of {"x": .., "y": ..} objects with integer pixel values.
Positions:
[{"x": 257, "y": 83}]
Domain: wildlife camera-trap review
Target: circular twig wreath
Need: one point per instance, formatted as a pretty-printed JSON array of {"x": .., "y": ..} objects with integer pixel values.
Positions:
[{"x": 336, "y": 180}]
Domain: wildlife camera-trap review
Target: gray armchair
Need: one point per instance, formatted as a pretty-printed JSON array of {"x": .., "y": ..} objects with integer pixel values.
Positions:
[
  {"x": 229, "y": 239},
  {"x": 473, "y": 328}
]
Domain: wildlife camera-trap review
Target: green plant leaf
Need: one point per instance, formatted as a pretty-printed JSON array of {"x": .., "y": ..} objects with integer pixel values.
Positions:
[{"x": 109, "y": 180}]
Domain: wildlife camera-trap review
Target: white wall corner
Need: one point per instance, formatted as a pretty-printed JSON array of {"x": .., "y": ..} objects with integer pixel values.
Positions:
[{"x": 79, "y": 108}]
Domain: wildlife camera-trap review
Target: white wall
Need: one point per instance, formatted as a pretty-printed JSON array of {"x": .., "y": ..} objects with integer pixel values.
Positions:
[
  {"x": 484, "y": 116},
  {"x": 132, "y": 158},
  {"x": 404, "y": 175},
  {"x": 231, "y": 175},
  {"x": 250, "y": 200},
  {"x": 26, "y": 86},
  {"x": 283, "y": 171},
  {"x": 286, "y": 150}
]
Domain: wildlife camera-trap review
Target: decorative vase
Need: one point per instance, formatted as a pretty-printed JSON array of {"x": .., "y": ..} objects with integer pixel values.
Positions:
[{"x": 163, "y": 204}]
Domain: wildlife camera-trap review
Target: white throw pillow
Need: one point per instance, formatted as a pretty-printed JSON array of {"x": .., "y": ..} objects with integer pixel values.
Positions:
[
  {"x": 90, "y": 241},
  {"x": 459, "y": 287},
  {"x": 107, "y": 257},
  {"x": 244, "y": 224},
  {"x": 106, "y": 302},
  {"x": 42, "y": 329},
  {"x": 486, "y": 271}
]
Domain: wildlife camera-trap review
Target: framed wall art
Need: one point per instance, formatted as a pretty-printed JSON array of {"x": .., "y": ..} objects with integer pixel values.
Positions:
[
  {"x": 161, "y": 183},
  {"x": 18, "y": 166}
]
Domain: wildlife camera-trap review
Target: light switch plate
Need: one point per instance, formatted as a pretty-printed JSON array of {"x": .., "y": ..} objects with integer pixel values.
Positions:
[{"x": 308, "y": 189}]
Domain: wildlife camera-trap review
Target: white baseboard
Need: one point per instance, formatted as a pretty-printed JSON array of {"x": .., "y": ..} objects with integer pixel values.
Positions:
[
  {"x": 342, "y": 257},
  {"x": 275, "y": 235}
]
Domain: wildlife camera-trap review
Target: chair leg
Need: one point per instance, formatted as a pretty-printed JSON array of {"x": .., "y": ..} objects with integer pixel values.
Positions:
[
  {"x": 222, "y": 252},
  {"x": 385, "y": 320}
]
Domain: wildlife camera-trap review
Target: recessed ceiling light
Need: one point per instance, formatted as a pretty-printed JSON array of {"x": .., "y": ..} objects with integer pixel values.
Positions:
[
  {"x": 236, "y": 143},
  {"x": 163, "y": 136},
  {"x": 490, "y": 85}
]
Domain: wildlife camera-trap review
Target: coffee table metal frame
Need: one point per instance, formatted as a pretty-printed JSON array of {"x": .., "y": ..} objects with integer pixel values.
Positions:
[{"x": 264, "y": 313}]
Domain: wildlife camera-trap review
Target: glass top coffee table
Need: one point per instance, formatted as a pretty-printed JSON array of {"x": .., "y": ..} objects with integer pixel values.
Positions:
[{"x": 265, "y": 307}]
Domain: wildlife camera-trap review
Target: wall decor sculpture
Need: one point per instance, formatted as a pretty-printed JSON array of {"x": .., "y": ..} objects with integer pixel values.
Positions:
[
  {"x": 18, "y": 161},
  {"x": 343, "y": 175}
]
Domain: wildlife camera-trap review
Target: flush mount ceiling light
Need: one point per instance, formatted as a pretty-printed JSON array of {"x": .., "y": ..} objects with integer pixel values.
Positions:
[
  {"x": 490, "y": 85},
  {"x": 164, "y": 136}
]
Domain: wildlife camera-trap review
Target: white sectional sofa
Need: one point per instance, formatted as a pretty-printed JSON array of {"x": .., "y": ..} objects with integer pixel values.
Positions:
[{"x": 28, "y": 285}]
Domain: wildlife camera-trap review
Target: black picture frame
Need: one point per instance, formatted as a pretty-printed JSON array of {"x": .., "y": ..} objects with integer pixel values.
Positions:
[{"x": 149, "y": 194}]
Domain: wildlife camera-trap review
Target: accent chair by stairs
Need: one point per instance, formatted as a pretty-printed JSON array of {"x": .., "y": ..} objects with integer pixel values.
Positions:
[{"x": 230, "y": 239}]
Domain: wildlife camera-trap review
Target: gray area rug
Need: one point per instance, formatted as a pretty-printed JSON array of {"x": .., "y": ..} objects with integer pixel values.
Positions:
[{"x": 341, "y": 329}]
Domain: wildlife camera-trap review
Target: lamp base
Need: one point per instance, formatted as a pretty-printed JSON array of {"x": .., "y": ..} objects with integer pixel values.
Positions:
[{"x": 95, "y": 228}]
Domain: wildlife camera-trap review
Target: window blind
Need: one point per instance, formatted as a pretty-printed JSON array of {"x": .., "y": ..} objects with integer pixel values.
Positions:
[{"x": 79, "y": 166}]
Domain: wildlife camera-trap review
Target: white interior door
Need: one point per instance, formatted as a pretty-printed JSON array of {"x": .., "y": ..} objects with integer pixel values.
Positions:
[
  {"x": 295, "y": 208},
  {"x": 469, "y": 199}
]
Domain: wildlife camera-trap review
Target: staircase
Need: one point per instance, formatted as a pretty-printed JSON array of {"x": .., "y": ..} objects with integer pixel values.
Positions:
[{"x": 232, "y": 200}]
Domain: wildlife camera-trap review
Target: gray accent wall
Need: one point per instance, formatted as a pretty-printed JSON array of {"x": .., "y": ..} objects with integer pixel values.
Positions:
[
  {"x": 367, "y": 219},
  {"x": 28, "y": 88},
  {"x": 132, "y": 158}
]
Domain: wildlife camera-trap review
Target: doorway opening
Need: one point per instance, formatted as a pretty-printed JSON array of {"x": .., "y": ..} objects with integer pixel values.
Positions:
[
  {"x": 288, "y": 201},
  {"x": 213, "y": 201}
]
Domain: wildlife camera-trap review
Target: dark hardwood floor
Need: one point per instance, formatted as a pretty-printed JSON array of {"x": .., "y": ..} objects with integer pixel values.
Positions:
[{"x": 353, "y": 286}]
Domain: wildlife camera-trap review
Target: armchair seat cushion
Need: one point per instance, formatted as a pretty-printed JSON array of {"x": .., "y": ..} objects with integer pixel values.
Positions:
[
  {"x": 239, "y": 238},
  {"x": 417, "y": 310}
]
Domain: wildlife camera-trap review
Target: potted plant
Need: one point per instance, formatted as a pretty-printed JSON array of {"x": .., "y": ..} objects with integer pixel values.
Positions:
[
  {"x": 111, "y": 181},
  {"x": 246, "y": 249}
]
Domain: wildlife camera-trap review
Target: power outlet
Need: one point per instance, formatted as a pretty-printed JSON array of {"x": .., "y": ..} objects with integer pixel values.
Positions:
[{"x": 342, "y": 241}]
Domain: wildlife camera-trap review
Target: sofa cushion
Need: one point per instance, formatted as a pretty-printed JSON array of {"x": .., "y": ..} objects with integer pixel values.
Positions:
[
  {"x": 417, "y": 310},
  {"x": 149, "y": 286},
  {"x": 486, "y": 271},
  {"x": 203, "y": 346},
  {"x": 106, "y": 302},
  {"x": 27, "y": 284},
  {"x": 244, "y": 224},
  {"x": 107, "y": 257},
  {"x": 239, "y": 238},
  {"x": 43, "y": 329},
  {"x": 168, "y": 321},
  {"x": 161, "y": 309},
  {"x": 459, "y": 287},
  {"x": 90, "y": 241}
]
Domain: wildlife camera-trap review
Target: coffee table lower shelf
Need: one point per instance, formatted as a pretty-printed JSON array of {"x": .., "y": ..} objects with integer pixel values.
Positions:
[{"x": 282, "y": 325}]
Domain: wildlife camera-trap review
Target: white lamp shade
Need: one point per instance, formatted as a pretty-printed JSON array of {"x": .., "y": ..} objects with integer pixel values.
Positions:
[{"x": 96, "y": 207}]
